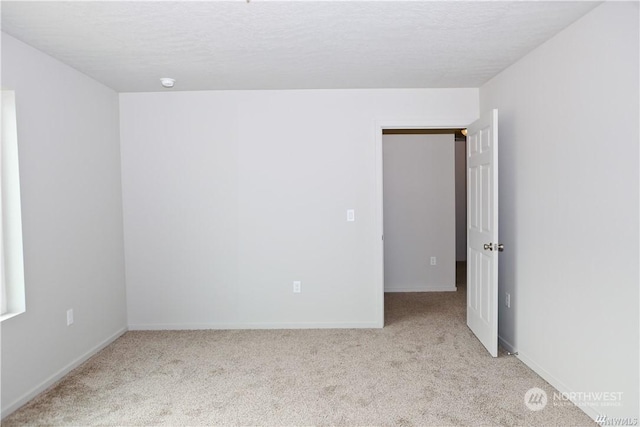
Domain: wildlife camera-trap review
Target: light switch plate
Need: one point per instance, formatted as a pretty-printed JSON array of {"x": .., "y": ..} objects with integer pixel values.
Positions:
[{"x": 351, "y": 215}]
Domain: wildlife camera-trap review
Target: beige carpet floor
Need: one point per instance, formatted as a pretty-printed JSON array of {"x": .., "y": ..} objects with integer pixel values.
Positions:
[{"x": 425, "y": 368}]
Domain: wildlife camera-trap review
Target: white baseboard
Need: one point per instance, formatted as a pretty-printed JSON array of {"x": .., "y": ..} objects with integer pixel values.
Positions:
[
  {"x": 13, "y": 406},
  {"x": 422, "y": 288},
  {"x": 558, "y": 384},
  {"x": 225, "y": 326}
]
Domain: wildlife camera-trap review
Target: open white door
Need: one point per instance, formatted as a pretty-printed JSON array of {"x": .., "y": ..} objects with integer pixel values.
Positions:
[{"x": 482, "y": 230}]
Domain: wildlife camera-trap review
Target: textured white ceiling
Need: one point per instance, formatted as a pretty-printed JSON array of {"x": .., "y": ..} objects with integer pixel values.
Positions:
[{"x": 288, "y": 45}]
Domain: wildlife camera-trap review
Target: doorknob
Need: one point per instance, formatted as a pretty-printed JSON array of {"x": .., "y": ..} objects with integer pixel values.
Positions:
[
  {"x": 500, "y": 247},
  {"x": 488, "y": 246}
]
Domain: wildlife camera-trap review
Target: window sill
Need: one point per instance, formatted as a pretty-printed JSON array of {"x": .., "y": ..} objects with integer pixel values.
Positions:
[{"x": 8, "y": 316}]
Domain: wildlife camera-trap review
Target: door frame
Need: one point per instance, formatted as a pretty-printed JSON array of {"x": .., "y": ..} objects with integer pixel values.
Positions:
[{"x": 380, "y": 125}]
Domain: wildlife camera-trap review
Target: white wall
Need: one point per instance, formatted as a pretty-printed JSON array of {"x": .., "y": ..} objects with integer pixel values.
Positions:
[
  {"x": 72, "y": 221},
  {"x": 230, "y": 196},
  {"x": 419, "y": 213},
  {"x": 569, "y": 205},
  {"x": 461, "y": 200}
]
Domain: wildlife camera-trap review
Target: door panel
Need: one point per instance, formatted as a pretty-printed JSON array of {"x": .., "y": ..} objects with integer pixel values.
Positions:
[{"x": 482, "y": 214}]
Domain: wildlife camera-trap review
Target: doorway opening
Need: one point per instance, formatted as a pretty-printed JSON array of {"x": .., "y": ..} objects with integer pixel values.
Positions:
[
  {"x": 482, "y": 225},
  {"x": 423, "y": 211}
]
